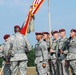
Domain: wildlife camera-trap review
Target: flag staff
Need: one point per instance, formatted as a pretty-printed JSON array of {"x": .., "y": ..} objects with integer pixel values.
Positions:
[
  {"x": 49, "y": 22},
  {"x": 49, "y": 17}
]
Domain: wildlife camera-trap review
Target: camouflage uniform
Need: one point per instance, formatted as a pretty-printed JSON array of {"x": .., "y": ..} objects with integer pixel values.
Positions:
[
  {"x": 6, "y": 62},
  {"x": 19, "y": 46},
  {"x": 62, "y": 46},
  {"x": 4, "y": 54},
  {"x": 72, "y": 55},
  {"x": 54, "y": 56},
  {"x": 48, "y": 47},
  {"x": 46, "y": 37},
  {"x": 49, "y": 59},
  {"x": 41, "y": 56}
]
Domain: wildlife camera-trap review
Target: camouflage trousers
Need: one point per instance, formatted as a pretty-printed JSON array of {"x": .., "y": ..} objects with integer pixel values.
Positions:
[
  {"x": 20, "y": 66},
  {"x": 6, "y": 69},
  {"x": 53, "y": 67},
  {"x": 40, "y": 70},
  {"x": 73, "y": 66},
  {"x": 62, "y": 68}
]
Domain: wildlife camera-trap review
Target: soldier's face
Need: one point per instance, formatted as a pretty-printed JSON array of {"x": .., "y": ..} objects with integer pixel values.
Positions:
[
  {"x": 62, "y": 34},
  {"x": 72, "y": 34},
  {"x": 38, "y": 37},
  {"x": 17, "y": 30},
  {"x": 6, "y": 40},
  {"x": 45, "y": 36},
  {"x": 56, "y": 35}
]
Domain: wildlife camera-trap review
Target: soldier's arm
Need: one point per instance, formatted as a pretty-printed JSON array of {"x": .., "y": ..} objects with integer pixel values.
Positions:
[
  {"x": 65, "y": 47},
  {"x": 44, "y": 52},
  {"x": 53, "y": 48},
  {"x": 8, "y": 47},
  {"x": 28, "y": 44},
  {"x": 1, "y": 51},
  {"x": 1, "y": 48}
]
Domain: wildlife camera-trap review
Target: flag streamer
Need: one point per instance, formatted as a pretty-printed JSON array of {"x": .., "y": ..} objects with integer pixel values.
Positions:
[{"x": 28, "y": 25}]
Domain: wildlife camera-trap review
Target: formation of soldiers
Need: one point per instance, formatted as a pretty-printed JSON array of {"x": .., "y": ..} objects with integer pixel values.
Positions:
[
  {"x": 54, "y": 53},
  {"x": 55, "y": 56}
]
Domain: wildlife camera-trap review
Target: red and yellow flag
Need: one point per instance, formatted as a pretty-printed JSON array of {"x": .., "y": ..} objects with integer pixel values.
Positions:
[{"x": 33, "y": 10}]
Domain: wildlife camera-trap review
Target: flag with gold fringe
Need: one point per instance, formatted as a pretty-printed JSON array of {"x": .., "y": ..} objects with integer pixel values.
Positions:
[{"x": 28, "y": 24}]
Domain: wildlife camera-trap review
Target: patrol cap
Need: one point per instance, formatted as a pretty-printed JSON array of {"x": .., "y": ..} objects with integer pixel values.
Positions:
[
  {"x": 45, "y": 33},
  {"x": 38, "y": 33},
  {"x": 6, "y": 36},
  {"x": 73, "y": 30},
  {"x": 54, "y": 32},
  {"x": 16, "y": 26},
  {"x": 61, "y": 30}
]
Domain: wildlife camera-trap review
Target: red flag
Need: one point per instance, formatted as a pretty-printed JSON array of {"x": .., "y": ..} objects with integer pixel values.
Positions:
[
  {"x": 25, "y": 26},
  {"x": 33, "y": 10}
]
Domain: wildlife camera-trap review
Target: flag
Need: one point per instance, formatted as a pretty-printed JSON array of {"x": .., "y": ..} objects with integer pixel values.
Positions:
[
  {"x": 25, "y": 26},
  {"x": 28, "y": 24},
  {"x": 31, "y": 25},
  {"x": 36, "y": 5}
]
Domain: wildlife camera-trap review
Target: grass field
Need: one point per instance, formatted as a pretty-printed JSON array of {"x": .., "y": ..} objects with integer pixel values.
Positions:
[{"x": 32, "y": 71}]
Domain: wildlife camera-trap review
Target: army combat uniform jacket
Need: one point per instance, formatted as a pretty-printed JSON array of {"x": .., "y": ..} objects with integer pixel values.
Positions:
[
  {"x": 41, "y": 53},
  {"x": 19, "y": 45},
  {"x": 62, "y": 46},
  {"x": 72, "y": 50}
]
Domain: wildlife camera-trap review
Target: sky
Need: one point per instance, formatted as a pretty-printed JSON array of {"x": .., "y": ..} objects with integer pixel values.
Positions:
[{"x": 14, "y": 12}]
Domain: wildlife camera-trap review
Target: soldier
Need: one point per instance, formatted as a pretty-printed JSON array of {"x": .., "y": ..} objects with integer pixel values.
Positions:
[
  {"x": 63, "y": 52},
  {"x": 71, "y": 56},
  {"x": 46, "y": 38},
  {"x": 41, "y": 55},
  {"x": 54, "y": 52},
  {"x": 19, "y": 46},
  {"x": 5, "y": 56}
]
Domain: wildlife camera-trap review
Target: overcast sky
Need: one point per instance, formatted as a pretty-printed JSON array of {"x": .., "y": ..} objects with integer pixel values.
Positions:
[{"x": 14, "y": 12}]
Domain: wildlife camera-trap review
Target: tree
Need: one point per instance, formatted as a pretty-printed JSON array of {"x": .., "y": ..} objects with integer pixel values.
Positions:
[
  {"x": 1, "y": 60},
  {"x": 31, "y": 57}
]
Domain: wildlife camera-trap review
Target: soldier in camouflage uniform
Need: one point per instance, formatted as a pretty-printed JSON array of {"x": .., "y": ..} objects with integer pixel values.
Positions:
[
  {"x": 54, "y": 52},
  {"x": 72, "y": 51},
  {"x": 4, "y": 54},
  {"x": 19, "y": 46},
  {"x": 63, "y": 52},
  {"x": 41, "y": 55},
  {"x": 46, "y": 38}
]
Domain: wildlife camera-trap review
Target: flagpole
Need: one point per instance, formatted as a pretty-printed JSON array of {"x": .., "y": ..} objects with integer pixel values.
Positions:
[
  {"x": 49, "y": 22},
  {"x": 49, "y": 16}
]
